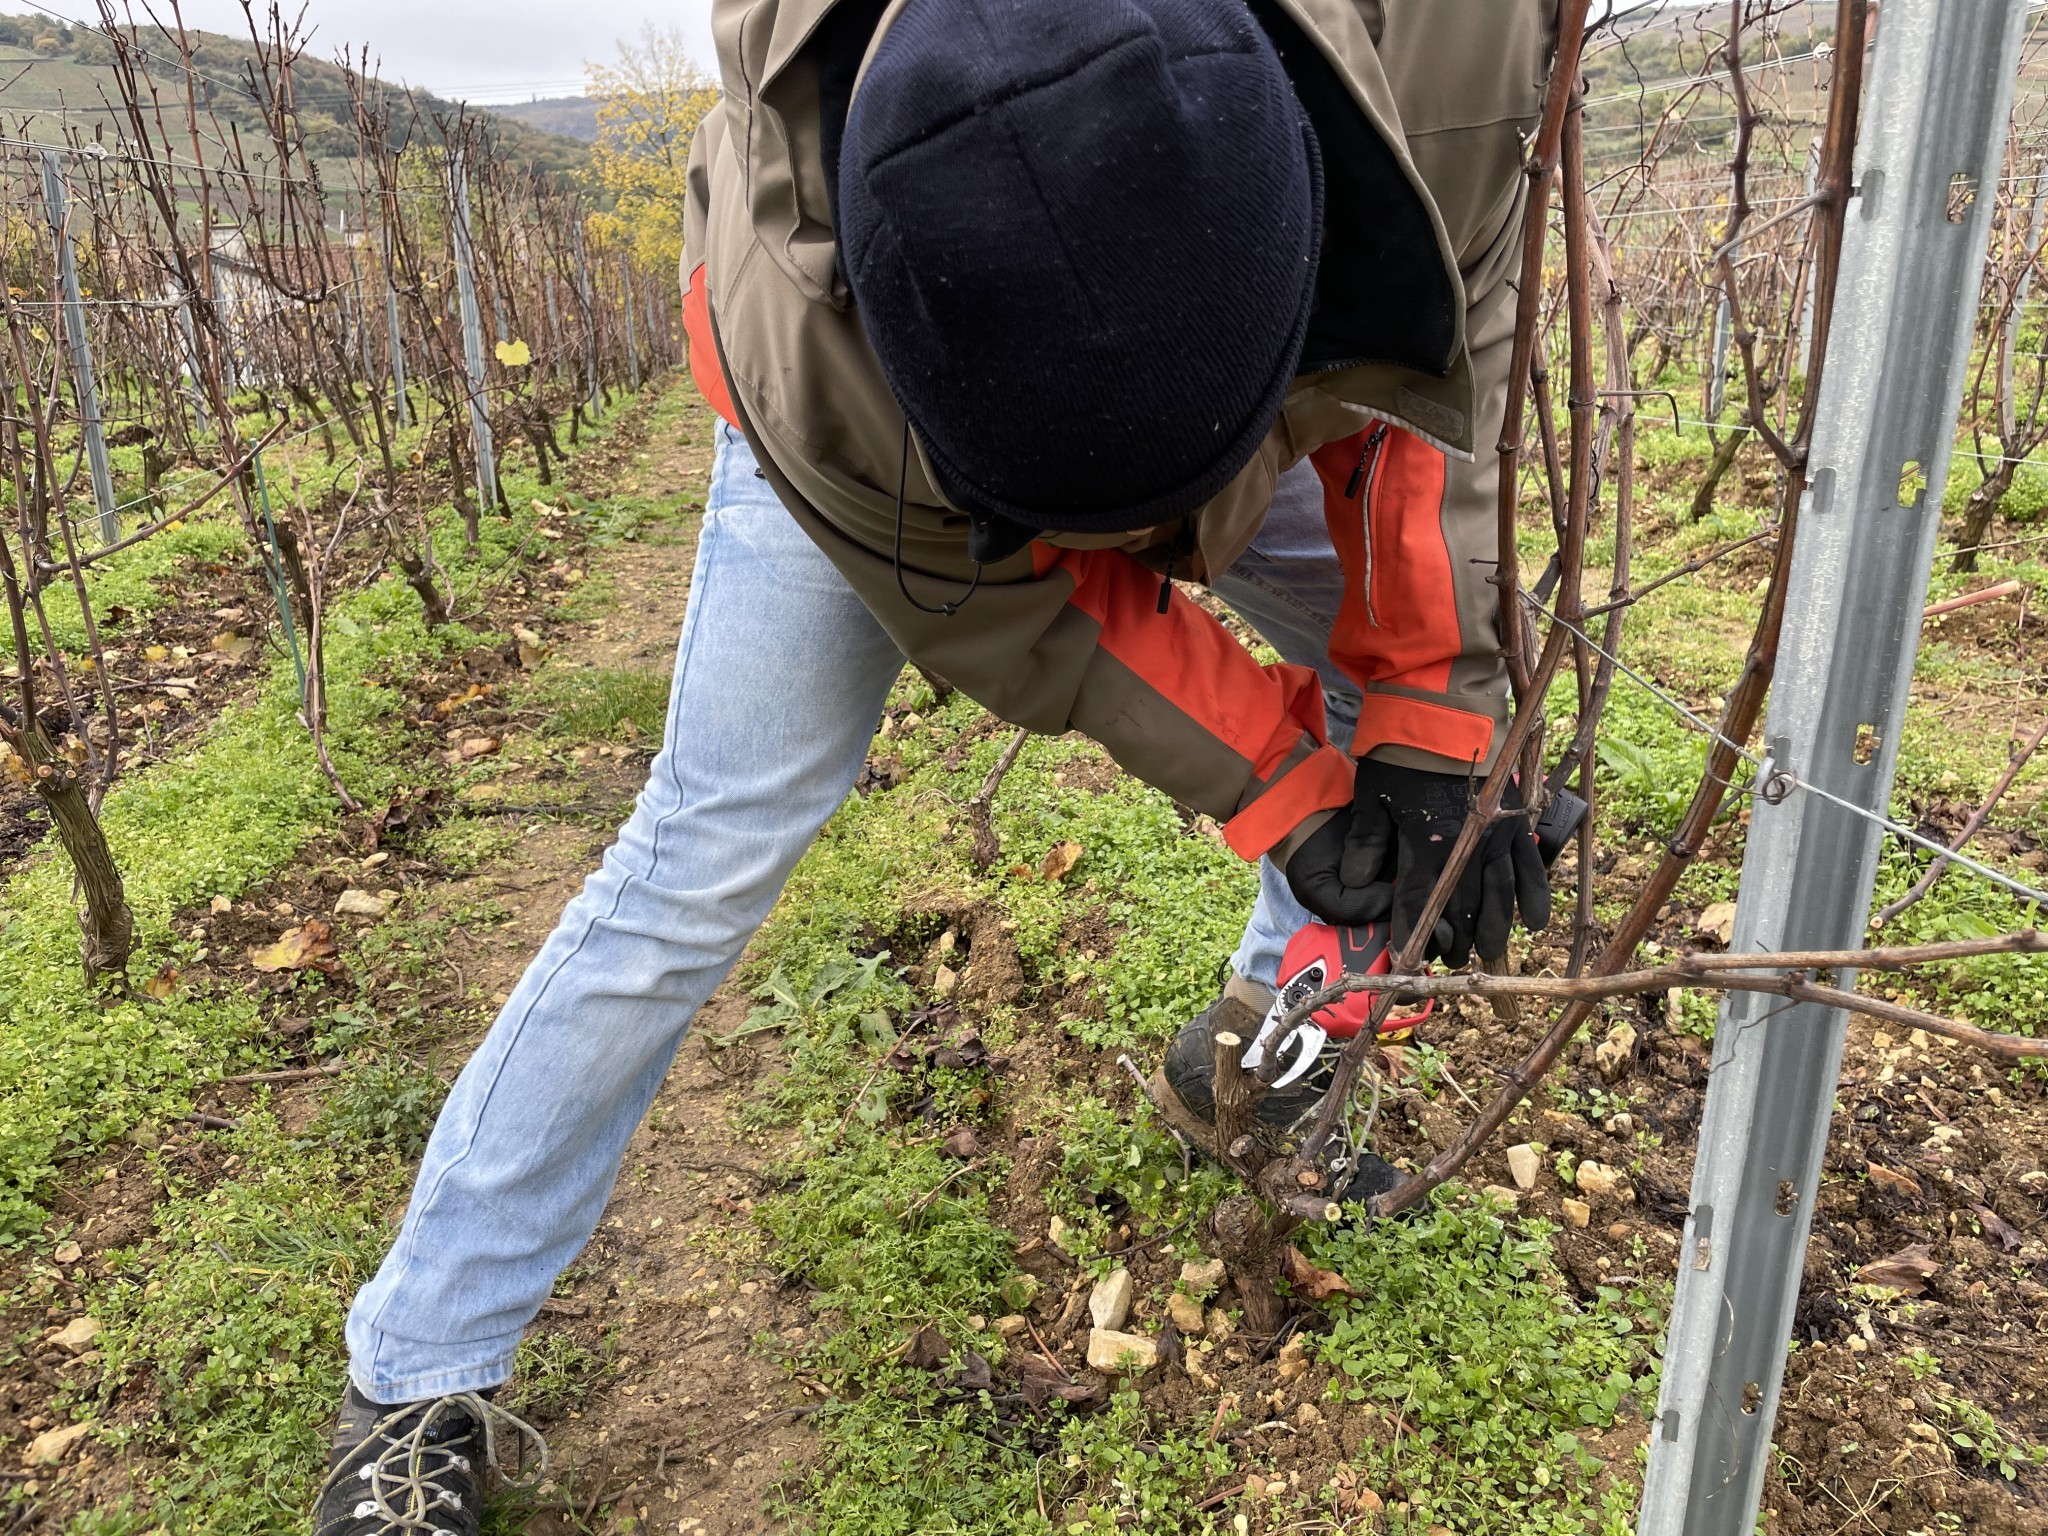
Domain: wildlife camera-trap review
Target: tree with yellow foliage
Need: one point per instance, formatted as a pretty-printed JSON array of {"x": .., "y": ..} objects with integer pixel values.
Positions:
[{"x": 648, "y": 107}]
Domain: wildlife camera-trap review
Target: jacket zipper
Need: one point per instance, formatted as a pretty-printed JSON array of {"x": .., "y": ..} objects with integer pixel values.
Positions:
[{"x": 1362, "y": 480}]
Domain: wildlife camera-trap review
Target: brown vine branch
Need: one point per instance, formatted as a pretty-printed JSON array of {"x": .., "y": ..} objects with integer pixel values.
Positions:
[
  {"x": 1970, "y": 828},
  {"x": 1732, "y": 973}
]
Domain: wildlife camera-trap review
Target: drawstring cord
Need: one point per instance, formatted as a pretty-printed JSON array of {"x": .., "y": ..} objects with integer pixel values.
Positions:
[
  {"x": 947, "y": 609},
  {"x": 1183, "y": 544}
]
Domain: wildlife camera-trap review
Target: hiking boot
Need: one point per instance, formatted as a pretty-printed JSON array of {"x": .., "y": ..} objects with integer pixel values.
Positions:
[
  {"x": 411, "y": 1468},
  {"x": 1184, "y": 1086}
]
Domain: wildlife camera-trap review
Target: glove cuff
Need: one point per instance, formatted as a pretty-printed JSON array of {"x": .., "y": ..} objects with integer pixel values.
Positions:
[{"x": 1293, "y": 807}]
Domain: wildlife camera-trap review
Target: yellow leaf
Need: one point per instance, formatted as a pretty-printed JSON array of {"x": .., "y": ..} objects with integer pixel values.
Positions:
[
  {"x": 156, "y": 653},
  {"x": 514, "y": 354},
  {"x": 163, "y": 983},
  {"x": 1059, "y": 861},
  {"x": 228, "y": 643},
  {"x": 309, "y": 944}
]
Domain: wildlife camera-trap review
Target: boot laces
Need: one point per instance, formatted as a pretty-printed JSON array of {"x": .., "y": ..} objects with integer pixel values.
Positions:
[{"x": 402, "y": 1484}]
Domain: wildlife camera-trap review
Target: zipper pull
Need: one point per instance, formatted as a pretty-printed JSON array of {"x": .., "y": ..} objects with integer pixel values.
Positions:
[{"x": 1366, "y": 455}]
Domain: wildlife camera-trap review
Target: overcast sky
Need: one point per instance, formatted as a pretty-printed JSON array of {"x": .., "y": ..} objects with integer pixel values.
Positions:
[{"x": 490, "y": 50}]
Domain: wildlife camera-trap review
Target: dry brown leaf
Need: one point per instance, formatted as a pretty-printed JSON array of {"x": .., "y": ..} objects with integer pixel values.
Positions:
[
  {"x": 1059, "y": 861},
  {"x": 1020, "y": 871},
  {"x": 1906, "y": 1271},
  {"x": 1311, "y": 1280},
  {"x": 479, "y": 746},
  {"x": 1718, "y": 920},
  {"x": 311, "y": 944},
  {"x": 927, "y": 1349},
  {"x": 163, "y": 983},
  {"x": 1996, "y": 1226},
  {"x": 1891, "y": 1178}
]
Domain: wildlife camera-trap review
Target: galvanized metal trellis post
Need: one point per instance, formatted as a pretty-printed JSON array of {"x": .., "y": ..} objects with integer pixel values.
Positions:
[
  {"x": 2008, "y": 351},
  {"x": 589, "y": 315},
  {"x": 554, "y": 323},
  {"x": 395, "y": 345},
  {"x": 632, "y": 340},
  {"x": 1717, "y": 369},
  {"x": 472, "y": 335},
  {"x": 1933, "y": 136},
  {"x": 80, "y": 346}
]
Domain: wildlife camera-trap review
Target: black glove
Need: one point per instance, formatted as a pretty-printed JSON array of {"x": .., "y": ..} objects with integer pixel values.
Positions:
[{"x": 1384, "y": 852}]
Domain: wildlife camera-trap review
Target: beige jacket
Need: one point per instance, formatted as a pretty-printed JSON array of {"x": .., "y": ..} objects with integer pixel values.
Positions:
[{"x": 1421, "y": 107}]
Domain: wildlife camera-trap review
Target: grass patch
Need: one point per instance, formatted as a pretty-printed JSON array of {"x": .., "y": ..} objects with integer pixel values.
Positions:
[{"x": 616, "y": 704}]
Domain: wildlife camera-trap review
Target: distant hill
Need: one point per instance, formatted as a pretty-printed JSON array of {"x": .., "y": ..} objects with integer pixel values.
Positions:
[
  {"x": 54, "y": 78},
  {"x": 573, "y": 117}
]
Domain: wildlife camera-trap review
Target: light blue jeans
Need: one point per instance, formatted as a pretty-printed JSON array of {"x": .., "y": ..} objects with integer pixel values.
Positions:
[{"x": 780, "y": 679}]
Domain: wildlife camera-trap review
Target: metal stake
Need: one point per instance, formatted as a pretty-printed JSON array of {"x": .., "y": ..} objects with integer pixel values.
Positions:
[
  {"x": 395, "y": 344},
  {"x": 81, "y": 350},
  {"x": 472, "y": 336},
  {"x": 632, "y": 340},
  {"x": 1717, "y": 370},
  {"x": 1933, "y": 136},
  {"x": 589, "y": 315}
]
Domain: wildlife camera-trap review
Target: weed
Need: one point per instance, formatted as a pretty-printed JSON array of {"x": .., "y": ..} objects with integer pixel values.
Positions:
[
  {"x": 554, "y": 1372},
  {"x": 1463, "y": 1325},
  {"x": 235, "y": 1307},
  {"x": 625, "y": 704},
  {"x": 1980, "y": 1437},
  {"x": 1920, "y": 1364},
  {"x": 1114, "y": 1165},
  {"x": 388, "y": 1103}
]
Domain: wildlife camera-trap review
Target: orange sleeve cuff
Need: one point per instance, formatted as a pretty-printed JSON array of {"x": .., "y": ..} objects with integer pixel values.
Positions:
[
  {"x": 1320, "y": 782},
  {"x": 704, "y": 370},
  {"x": 1457, "y": 734}
]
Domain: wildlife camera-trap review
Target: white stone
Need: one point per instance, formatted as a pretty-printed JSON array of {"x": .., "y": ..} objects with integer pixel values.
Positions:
[
  {"x": 1204, "y": 1279},
  {"x": 1185, "y": 1311},
  {"x": 1524, "y": 1161},
  {"x": 1121, "y": 1354},
  {"x": 355, "y": 903},
  {"x": 1109, "y": 1304},
  {"x": 1293, "y": 1358},
  {"x": 51, "y": 1444},
  {"x": 77, "y": 1335},
  {"x": 1598, "y": 1179},
  {"x": 1612, "y": 1055},
  {"x": 1578, "y": 1213}
]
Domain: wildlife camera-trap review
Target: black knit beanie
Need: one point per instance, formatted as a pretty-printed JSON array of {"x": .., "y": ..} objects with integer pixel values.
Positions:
[{"x": 1082, "y": 235}]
